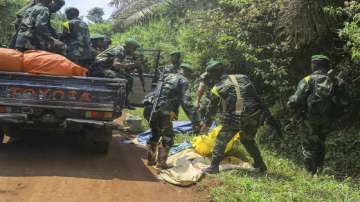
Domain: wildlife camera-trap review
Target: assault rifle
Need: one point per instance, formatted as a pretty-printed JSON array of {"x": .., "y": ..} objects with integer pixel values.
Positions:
[{"x": 157, "y": 94}]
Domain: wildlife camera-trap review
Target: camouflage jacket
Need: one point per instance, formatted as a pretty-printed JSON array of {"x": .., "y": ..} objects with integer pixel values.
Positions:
[
  {"x": 303, "y": 100},
  {"x": 209, "y": 82},
  {"x": 175, "y": 92},
  {"x": 77, "y": 38},
  {"x": 106, "y": 59},
  {"x": 34, "y": 31},
  {"x": 224, "y": 95}
]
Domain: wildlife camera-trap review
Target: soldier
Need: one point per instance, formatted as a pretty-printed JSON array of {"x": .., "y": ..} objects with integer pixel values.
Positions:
[
  {"x": 174, "y": 92},
  {"x": 316, "y": 101},
  {"x": 34, "y": 30},
  {"x": 241, "y": 111},
  {"x": 206, "y": 82},
  {"x": 98, "y": 43},
  {"x": 176, "y": 60},
  {"x": 54, "y": 7},
  {"x": 77, "y": 38},
  {"x": 120, "y": 62}
]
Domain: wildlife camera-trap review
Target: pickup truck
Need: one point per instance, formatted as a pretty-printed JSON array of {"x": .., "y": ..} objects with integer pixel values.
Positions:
[{"x": 85, "y": 106}]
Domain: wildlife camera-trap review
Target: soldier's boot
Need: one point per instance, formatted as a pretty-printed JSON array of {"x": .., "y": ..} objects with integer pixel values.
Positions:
[
  {"x": 213, "y": 168},
  {"x": 163, "y": 153},
  {"x": 254, "y": 152},
  {"x": 151, "y": 154}
]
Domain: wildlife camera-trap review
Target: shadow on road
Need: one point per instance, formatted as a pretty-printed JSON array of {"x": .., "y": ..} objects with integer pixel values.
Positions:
[{"x": 65, "y": 157}]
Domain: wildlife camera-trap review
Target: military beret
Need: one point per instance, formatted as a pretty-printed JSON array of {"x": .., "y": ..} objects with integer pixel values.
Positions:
[
  {"x": 97, "y": 36},
  {"x": 187, "y": 66},
  {"x": 177, "y": 52},
  {"x": 132, "y": 42},
  {"x": 213, "y": 65},
  {"x": 320, "y": 58}
]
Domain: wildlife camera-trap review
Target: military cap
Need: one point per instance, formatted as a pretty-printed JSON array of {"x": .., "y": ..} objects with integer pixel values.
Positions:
[
  {"x": 97, "y": 36},
  {"x": 132, "y": 42},
  {"x": 187, "y": 67},
  {"x": 213, "y": 65},
  {"x": 320, "y": 58},
  {"x": 177, "y": 52}
]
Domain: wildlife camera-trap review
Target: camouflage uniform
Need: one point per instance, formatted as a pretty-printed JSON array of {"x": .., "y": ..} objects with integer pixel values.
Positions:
[
  {"x": 77, "y": 39},
  {"x": 318, "y": 100},
  {"x": 104, "y": 63},
  {"x": 174, "y": 92},
  {"x": 313, "y": 128},
  {"x": 238, "y": 114},
  {"x": 34, "y": 31},
  {"x": 208, "y": 83}
]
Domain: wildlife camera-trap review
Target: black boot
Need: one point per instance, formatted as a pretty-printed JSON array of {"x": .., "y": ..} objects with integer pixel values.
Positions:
[
  {"x": 212, "y": 169},
  {"x": 151, "y": 154},
  {"x": 163, "y": 153}
]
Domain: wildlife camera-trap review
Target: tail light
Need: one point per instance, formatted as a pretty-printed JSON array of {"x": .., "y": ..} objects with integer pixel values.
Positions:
[
  {"x": 98, "y": 115},
  {"x": 4, "y": 109}
]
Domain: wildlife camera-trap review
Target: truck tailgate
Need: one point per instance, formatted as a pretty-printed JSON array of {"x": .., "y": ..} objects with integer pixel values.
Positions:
[{"x": 78, "y": 93}]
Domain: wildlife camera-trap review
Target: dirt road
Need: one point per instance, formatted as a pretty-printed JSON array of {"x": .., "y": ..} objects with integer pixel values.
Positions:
[{"x": 58, "y": 170}]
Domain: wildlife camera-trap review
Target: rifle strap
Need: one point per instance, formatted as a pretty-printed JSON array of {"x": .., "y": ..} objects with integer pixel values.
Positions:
[{"x": 239, "y": 99}]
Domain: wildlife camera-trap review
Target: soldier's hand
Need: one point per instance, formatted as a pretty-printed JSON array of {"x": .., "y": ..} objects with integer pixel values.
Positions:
[
  {"x": 203, "y": 128},
  {"x": 58, "y": 44},
  {"x": 173, "y": 116}
]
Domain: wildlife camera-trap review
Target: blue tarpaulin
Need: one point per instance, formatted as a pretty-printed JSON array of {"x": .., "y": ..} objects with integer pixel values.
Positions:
[{"x": 179, "y": 127}]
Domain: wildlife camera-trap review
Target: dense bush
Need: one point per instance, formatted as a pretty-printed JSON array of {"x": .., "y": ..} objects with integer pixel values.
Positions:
[
  {"x": 248, "y": 36},
  {"x": 8, "y": 9}
]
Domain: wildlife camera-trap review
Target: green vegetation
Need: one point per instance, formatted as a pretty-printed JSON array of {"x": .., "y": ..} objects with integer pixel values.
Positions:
[
  {"x": 8, "y": 8},
  {"x": 284, "y": 181},
  {"x": 271, "y": 41}
]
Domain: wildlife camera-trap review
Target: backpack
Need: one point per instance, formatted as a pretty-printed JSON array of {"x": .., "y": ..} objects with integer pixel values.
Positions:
[{"x": 328, "y": 96}]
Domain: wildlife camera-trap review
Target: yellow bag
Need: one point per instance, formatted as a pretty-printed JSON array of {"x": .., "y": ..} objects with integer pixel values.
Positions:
[{"x": 204, "y": 144}]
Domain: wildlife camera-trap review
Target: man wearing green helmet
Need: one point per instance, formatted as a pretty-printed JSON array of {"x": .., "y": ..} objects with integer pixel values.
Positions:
[
  {"x": 121, "y": 62},
  {"x": 241, "y": 110},
  {"x": 319, "y": 99},
  {"x": 174, "y": 93},
  {"x": 206, "y": 81}
]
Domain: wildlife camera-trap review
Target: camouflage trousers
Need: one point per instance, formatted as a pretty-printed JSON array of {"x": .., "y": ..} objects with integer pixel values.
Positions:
[
  {"x": 248, "y": 129},
  {"x": 161, "y": 127},
  {"x": 313, "y": 137}
]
